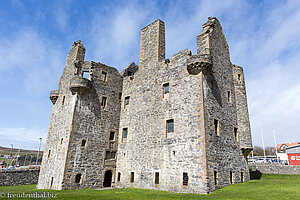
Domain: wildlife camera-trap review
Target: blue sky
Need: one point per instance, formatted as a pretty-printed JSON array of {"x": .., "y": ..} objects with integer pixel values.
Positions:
[{"x": 35, "y": 37}]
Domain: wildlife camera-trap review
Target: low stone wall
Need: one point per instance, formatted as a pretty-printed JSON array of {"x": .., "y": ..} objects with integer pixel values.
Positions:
[
  {"x": 20, "y": 177},
  {"x": 275, "y": 168}
]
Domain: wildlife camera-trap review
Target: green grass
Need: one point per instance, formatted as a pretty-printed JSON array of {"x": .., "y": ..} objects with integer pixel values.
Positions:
[{"x": 270, "y": 186}]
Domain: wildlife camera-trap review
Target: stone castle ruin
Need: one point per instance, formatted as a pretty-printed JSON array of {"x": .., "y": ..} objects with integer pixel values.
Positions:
[{"x": 178, "y": 124}]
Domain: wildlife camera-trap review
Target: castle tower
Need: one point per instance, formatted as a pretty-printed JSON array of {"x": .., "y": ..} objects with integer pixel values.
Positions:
[
  {"x": 243, "y": 132},
  {"x": 81, "y": 141},
  {"x": 152, "y": 46}
]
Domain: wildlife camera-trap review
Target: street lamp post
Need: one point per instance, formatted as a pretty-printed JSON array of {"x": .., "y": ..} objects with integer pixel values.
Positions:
[{"x": 38, "y": 153}]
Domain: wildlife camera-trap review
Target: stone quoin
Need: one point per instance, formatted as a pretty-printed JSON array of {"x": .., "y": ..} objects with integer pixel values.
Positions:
[{"x": 178, "y": 124}]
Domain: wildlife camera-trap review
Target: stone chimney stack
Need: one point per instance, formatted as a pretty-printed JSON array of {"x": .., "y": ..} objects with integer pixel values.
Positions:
[{"x": 152, "y": 46}]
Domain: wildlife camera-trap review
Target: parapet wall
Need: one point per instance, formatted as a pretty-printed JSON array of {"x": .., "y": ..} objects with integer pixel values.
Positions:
[
  {"x": 276, "y": 168},
  {"x": 24, "y": 177}
]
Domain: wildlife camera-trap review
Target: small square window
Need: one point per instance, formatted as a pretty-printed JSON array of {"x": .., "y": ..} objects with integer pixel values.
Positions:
[
  {"x": 103, "y": 102},
  {"x": 125, "y": 132},
  {"x": 170, "y": 125},
  {"x": 112, "y": 135},
  {"x": 104, "y": 76},
  {"x": 185, "y": 179}
]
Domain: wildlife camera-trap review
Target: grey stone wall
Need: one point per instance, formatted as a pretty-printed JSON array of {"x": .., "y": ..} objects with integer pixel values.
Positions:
[
  {"x": 244, "y": 132},
  {"x": 276, "y": 168},
  {"x": 22, "y": 177},
  {"x": 223, "y": 151}
]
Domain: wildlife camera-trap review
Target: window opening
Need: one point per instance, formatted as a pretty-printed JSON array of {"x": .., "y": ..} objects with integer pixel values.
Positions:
[
  {"x": 170, "y": 125},
  {"x": 126, "y": 101},
  {"x": 231, "y": 178},
  {"x": 112, "y": 135},
  {"x": 217, "y": 127},
  {"x": 125, "y": 132},
  {"x": 104, "y": 76},
  {"x": 85, "y": 75},
  {"x": 49, "y": 152},
  {"x": 63, "y": 100},
  {"x": 104, "y": 102},
  {"x": 132, "y": 177},
  {"x": 235, "y": 130},
  {"x": 185, "y": 178},
  {"x": 156, "y": 177},
  {"x": 216, "y": 177},
  {"x": 77, "y": 178},
  {"x": 119, "y": 176},
  {"x": 83, "y": 142}
]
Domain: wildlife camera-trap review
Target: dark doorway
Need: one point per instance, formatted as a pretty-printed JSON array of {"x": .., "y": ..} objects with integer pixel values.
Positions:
[{"x": 107, "y": 178}]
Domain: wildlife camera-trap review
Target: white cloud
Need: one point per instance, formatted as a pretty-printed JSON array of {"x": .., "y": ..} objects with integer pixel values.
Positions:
[{"x": 22, "y": 137}]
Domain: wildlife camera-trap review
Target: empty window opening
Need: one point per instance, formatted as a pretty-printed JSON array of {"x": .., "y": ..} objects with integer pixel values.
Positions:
[
  {"x": 132, "y": 177},
  {"x": 216, "y": 177},
  {"x": 85, "y": 75},
  {"x": 107, "y": 155},
  {"x": 61, "y": 140},
  {"x": 239, "y": 76},
  {"x": 156, "y": 178},
  {"x": 231, "y": 177},
  {"x": 103, "y": 102},
  {"x": 242, "y": 177},
  {"x": 77, "y": 178},
  {"x": 112, "y": 135},
  {"x": 83, "y": 142},
  {"x": 126, "y": 101},
  {"x": 51, "y": 182},
  {"x": 49, "y": 153},
  {"x": 185, "y": 178},
  {"x": 63, "y": 100},
  {"x": 104, "y": 76},
  {"x": 174, "y": 153},
  {"x": 125, "y": 132},
  {"x": 120, "y": 96},
  {"x": 217, "y": 127},
  {"x": 170, "y": 125},
  {"x": 119, "y": 177},
  {"x": 229, "y": 96},
  {"x": 235, "y": 131}
]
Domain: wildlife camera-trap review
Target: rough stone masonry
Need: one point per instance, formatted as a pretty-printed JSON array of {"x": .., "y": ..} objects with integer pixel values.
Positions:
[{"x": 178, "y": 124}]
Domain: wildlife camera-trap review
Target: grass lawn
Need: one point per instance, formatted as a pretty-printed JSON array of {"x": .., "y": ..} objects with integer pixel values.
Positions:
[{"x": 270, "y": 186}]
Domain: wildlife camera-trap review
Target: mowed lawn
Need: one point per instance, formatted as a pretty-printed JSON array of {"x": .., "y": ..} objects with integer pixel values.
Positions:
[{"x": 270, "y": 186}]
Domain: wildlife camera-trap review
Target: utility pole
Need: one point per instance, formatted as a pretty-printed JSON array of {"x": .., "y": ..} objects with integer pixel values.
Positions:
[
  {"x": 262, "y": 137},
  {"x": 37, "y": 158},
  {"x": 25, "y": 158},
  {"x": 9, "y": 156},
  {"x": 275, "y": 146},
  {"x": 18, "y": 157},
  {"x": 30, "y": 159}
]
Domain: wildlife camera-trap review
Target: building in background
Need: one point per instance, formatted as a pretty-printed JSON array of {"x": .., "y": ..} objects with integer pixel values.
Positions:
[{"x": 293, "y": 153}]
